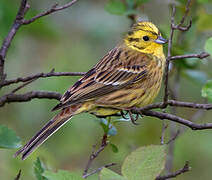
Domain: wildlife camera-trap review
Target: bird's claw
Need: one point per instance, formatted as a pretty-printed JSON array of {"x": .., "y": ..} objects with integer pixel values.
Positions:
[
  {"x": 123, "y": 115},
  {"x": 133, "y": 120}
]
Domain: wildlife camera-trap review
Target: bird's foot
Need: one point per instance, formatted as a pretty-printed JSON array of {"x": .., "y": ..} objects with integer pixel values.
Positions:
[{"x": 133, "y": 119}]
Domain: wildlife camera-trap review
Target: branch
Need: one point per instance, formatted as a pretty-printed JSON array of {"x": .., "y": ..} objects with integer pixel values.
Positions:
[
  {"x": 180, "y": 25},
  {"x": 174, "y": 137},
  {"x": 166, "y": 93},
  {"x": 7, "y": 41},
  {"x": 97, "y": 170},
  {"x": 18, "y": 175},
  {"x": 22, "y": 86},
  {"x": 53, "y": 9},
  {"x": 186, "y": 168},
  {"x": 174, "y": 118},
  {"x": 202, "y": 55},
  {"x": 8, "y": 98},
  {"x": 95, "y": 154},
  {"x": 40, "y": 75},
  {"x": 18, "y": 22},
  {"x": 169, "y": 56},
  {"x": 164, "y": 127},
  {"x": 178, "y": 104}
]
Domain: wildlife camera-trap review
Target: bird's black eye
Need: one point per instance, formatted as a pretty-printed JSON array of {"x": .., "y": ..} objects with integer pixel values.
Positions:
[{"x": 146, "y": 38}]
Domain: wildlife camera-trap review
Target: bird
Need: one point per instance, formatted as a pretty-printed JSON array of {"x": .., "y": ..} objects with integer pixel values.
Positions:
[{"x": 128, "y": 76}]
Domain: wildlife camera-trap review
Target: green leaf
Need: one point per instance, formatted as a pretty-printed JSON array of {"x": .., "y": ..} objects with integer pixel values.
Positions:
[
  {"x": 38, "y": 170},
  {"x": 145, "y": 163},
  {"x": 108, "y": 127},
  {"x": 208, "y": 45},
  {"x": 107, "y": 174},
  {"x": 115, "y": 7},
  {"x": 8, "y": 138},
  {"x": 105, "y": 124},
  {"x": 114, "y": 148},
  {"x": 62, "y": 175},
  {"x": 207, "y": 91}
]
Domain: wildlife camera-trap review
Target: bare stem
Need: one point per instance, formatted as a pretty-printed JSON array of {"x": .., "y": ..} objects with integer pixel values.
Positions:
[
  {"x": 177, "y": 119},
  {"x": 95, "y": 154},
  {"x": 186, "y": 168},
  {"x": 202, "y": 55},
  {"x": 40, "y": 75},
  {"x": 18, "y": 22},
  {"x": 97, "y": 170},
  {"x": 53, "y": 9},
  {"x": 8, "y": 98}
]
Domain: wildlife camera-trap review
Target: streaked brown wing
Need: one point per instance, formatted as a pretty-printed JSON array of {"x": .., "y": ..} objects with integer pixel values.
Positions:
[{"x": 103, "y": 79}]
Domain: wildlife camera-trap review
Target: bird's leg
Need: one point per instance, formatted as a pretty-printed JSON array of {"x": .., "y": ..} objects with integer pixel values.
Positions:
[
  {"x": 133, "y": 120},
  {"x": 123, "y": 115}
]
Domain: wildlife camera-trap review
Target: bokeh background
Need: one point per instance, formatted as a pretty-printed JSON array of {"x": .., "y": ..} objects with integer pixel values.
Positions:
[{"x": 74, "y": 40}]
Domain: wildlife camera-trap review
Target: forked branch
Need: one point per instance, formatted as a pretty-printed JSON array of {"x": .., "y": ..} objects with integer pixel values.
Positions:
[{"x": 18, "y": 22}]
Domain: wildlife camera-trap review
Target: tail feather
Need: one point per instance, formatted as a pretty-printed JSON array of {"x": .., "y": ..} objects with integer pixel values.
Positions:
[{"x": 49, "y": 129}]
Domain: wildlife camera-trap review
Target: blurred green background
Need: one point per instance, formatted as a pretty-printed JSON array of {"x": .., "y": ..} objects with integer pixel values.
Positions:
[{"x": 74, "y": 40}]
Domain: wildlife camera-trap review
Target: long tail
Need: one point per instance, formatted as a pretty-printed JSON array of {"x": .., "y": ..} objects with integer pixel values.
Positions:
[{"x": 50, "y": 128}]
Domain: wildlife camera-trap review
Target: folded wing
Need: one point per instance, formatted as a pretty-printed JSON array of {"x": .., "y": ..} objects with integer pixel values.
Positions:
[{"x": 112, "y": 73}]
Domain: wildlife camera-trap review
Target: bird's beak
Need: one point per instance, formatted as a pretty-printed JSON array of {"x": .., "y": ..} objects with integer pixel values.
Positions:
[{"x": 161, "y": 40}]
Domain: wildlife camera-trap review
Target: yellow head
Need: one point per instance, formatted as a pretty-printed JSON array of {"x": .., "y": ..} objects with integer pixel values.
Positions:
[{"x": 145, "y": 37}]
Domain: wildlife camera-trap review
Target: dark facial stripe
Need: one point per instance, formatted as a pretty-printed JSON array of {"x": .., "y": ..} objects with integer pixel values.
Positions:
[{"x": 133, "y": 39}]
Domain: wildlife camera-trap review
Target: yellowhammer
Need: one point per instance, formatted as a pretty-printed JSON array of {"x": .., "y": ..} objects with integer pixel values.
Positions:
[{"x": 128, "y": 76}]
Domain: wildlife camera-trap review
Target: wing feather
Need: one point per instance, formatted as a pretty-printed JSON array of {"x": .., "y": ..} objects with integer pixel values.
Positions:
[{"x": 104, "y": 79}]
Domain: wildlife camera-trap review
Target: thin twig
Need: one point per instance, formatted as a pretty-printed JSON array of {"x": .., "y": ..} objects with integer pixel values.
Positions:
[
  {"x": 202, "y": 55},
  {"x": 178, "y": 104},
  {"x": 18, "y": 175},
  {"x": 18, "y": 22},
  {"x": 174, "y": 137},
  {"x": 180, "y": 25},
  {"x": 173, "y": 126},
  {"x": 97, "y": 170},
  {"x": 174, "y": 118},
  {"x": 40, "y": 75},
  {"x": 186, "y": 168},
  {"x": 164, "y": 127},
  {"x": 53, "y": 9},
  {"x": 95, "y": 154},
  {"x": 169, "y": 56},
  {"x": 166, "y": 93},
  {"x": 21, "y": 86},
  {"x": 7, "y": 41},
  {"x": 8, "y": 98}
]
